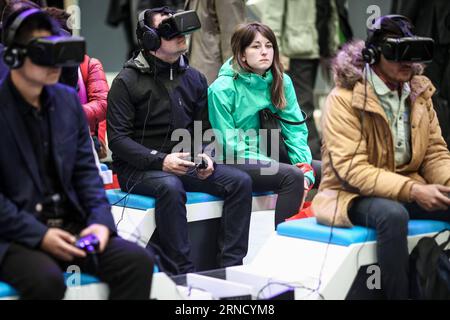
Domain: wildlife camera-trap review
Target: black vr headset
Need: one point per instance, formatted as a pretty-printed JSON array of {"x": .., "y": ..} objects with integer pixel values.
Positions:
[
  {"x": 53, "y": 51},
  {"x": 181, "y": 23},
  {"x": 407, "y": 48}
]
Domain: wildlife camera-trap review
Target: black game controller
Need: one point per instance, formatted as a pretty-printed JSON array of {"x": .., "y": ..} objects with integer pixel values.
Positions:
[
  {"x": 89, "y": 243},
  {"x": 202, "y": 165}
]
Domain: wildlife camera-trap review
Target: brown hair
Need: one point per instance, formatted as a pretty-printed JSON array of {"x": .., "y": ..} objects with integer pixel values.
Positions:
[
  {"x": 242, "y": 37},
  {"x": 11, "y": 7},
  {"x": 60, "y": 16},
  {"x": 23, "y": 35}
]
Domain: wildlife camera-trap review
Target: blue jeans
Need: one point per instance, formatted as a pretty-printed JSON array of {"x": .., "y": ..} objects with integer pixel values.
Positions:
[
  {"x": 234, "y": 186},
  {"x": 390, "y": 219}
]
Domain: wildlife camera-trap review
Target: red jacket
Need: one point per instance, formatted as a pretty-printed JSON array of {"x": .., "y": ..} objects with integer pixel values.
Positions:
[{"x": 97, "y": 90}]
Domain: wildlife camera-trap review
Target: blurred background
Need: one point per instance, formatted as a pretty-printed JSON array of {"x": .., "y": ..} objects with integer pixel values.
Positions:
[{"x": 109, "y": 44}]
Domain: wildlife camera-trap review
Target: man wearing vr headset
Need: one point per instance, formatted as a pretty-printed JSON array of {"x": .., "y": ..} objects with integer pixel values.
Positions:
[
  {"x": 50, "y": 190},
  {"x": 384, "y": 158},
  {"x": 155, "y": 94}
]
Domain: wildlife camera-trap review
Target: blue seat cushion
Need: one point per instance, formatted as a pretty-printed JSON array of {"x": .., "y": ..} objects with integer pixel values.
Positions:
[
  {"x": 85, "y": 279},
  {"x": 309, "y": 229},
  {"x": 7, "y": 291},
  {"x": 134, "y": 201},
  {"x": 119, "y": 198}
]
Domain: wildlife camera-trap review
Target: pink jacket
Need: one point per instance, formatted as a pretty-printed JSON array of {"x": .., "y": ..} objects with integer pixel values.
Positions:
[{"x": 97, "y": 88}]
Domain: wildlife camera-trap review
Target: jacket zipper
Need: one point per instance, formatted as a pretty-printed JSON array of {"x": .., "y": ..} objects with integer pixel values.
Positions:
[{"x": 171, "y": 72}]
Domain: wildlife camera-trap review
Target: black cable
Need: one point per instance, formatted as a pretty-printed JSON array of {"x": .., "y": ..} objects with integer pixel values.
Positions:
[
  {"x": 140, "y": 179},
  {"x": 135, "y": 237},
  {"x": 289, "y": 285},
  {"x": 370, "y": 204},
  {"x": 125, "y": 198}
]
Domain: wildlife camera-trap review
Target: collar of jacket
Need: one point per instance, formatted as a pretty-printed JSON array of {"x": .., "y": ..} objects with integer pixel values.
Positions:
[
  {"x": 249, "y": 79},
  {"x": 148, "y": 63},
  {"x": 254, "y": 80},
  {"x": 421, "y": 88},
  {"x": 46, "y": 96}
]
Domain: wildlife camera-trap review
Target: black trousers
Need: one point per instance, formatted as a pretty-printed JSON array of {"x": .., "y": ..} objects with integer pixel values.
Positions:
[
  {"x": 170, "y": 212},
  {"x": 390, "y": 220},
  {"x": 124, "y": 266},
  {"x": 287, "y": 182},
  {"x": 303, "y": 73}
]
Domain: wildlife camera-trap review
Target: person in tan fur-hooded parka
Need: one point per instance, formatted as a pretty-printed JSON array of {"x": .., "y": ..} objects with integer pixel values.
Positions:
[{"x": 399, "y": 169}]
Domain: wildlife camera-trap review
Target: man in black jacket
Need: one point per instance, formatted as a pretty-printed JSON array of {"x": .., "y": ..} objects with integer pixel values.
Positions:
[
  {"x": 50, "y": 190},
  {"x": 155, "y": 94}
]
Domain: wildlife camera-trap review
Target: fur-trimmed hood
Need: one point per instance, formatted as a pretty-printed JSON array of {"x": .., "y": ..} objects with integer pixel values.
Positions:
[{"x": 348, "y": 65}]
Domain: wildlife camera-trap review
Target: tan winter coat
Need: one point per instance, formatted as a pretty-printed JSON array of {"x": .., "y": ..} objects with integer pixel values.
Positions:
[{"x": 373, "y": 171}]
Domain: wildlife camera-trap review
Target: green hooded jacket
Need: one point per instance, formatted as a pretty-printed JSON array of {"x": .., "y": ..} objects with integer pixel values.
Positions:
[{"x": 234, "y": 101}]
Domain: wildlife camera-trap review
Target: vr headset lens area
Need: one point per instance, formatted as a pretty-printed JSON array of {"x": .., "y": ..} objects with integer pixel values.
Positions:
[
  {"x": 408, "y": 49},
  {"x": 57, "y": 51},
  {"x": 181, "y": 23}
]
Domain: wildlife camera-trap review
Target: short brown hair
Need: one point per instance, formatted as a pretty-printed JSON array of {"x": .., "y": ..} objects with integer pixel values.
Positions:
[
  {"x": 60, "y": 16},
  {"x": 24, "y": 34}
]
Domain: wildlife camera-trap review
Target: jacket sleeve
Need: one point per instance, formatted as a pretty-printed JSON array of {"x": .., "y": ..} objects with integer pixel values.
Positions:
[
  {"x": 201, "y": 108},
  {"x": 201, "y": 114},
  {"x": 436, "y": 163},
  {"x": 221, "y": 119},
  {"x": 120, "y": 128},
  {"x": 409, "y": 8},
  {"x": 273, "y": 16},
  {"x": 102, "y": 131},
  {"x": 97, "y": 93},
  {"x": 230, "y": 13},
  {"x": 18, "y": 225},
  {"x": 296, "y": 136},
  {"x": 342, "y": 138},
  {"x": 86, "y": 180}
]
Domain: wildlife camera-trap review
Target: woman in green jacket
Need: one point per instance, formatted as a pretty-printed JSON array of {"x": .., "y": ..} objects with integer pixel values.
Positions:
[{"x": 250, "y": 81}]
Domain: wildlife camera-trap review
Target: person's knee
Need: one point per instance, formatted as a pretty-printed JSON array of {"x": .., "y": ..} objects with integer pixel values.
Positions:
[
  {"x": 395, "y": 217},
  {"x": 243, "y": 182},
  {"x": 143, "y": 258},
  {"x": 140, "y": 261},
  {"x": 172, "y": 187},
  {"x": 47, "y": 286},
  {"x": 294, "y": 177}
]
